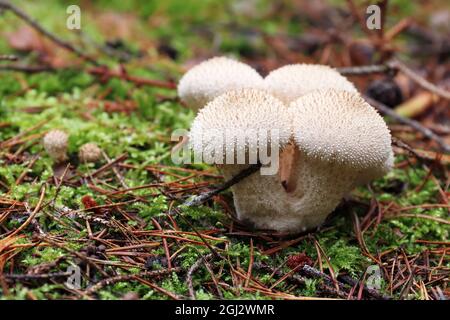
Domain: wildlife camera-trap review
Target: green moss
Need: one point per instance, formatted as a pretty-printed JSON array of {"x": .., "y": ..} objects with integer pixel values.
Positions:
[{"x": 74, "y": 101}]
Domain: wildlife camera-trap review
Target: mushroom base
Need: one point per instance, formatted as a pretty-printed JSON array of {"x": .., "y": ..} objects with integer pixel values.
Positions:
[{"x": 262, "y": 201}]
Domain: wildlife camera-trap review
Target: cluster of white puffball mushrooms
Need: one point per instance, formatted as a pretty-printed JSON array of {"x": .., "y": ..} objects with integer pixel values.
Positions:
[
  {"x": 56, "y": 144},
  {"x": 331, "y": 140}
]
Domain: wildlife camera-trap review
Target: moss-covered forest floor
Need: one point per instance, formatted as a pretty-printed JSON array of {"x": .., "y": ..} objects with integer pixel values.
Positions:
[{"x": 120, "y": 221}]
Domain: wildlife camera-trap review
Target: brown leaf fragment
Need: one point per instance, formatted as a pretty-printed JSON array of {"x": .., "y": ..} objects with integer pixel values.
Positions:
[{"x": 288, "y": 157}]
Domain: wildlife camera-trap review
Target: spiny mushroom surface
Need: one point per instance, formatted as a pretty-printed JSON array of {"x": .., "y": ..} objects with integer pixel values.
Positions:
[
  {"x": 89, "y": 152},
  {"x": 213, "y": 77},
  {"x": 239, "y": 112},
  {"x": 343, "y": 142},
  {"x": 292, "y": 81},
  {"x": 55, "y": 143},
  {"x": 234, "y": 117},
  {"x": 340, "y": 127},
  {"x": 336, "y": 139}
]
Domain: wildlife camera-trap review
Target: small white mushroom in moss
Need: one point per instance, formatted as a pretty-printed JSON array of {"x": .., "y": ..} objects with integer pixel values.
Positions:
[
  {"x": 89, "y": 152},
  {"x": 226, "y": 128},
  {"x": 343, "y": 142},
  {"x": 292, "y": 81},
  {"x": 213, "y": 77},
  {"x": 55, "y": 143}
]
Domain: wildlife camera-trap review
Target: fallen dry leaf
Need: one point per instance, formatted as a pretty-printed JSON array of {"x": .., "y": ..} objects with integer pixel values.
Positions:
[
  {"x": 26, "y": 39},
  {"x": 287, "y": 159}
]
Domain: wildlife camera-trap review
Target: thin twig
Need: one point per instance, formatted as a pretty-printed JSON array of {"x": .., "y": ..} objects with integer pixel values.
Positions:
[
  {"x": 208, "y": 195},
  {"x": 165, "y": 245},
  {"x": 297, "y": 279},
  {"x": 369, "y": 292},
  {"x": 106, "y": 73},
  {"x": 363, "y": 70},
  {"x": 250, "y": 264},
  {"x": 112, "y": 280},
  {"x": 421, "y": 81},
  {"x": 6, "y": 5},
  {"x": 395, "y": 65},
  {"x": 79, "y": 255},
  {"x": 31, "y": 216},
  {"x": 112, "y": 163},
  {"x": 410, "y": 122},
  {"x": 314, "y": 273},
  {"x": 42, "y": 276},
  {"x": 26, "y": 69},
  {"x": 114, "y": 169},
  {"x": 191, "y": 272},
  {"x": 172, "y": 295},
  {"x": 213, "y": 277},
  {"x": 211, "y": 248},
  {"x": 421, "y": 155}
]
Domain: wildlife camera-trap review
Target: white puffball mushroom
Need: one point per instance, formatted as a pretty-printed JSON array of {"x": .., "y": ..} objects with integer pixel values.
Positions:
[
  {"x": 213, "y": 77},
  {"x": 341, "y": 127},
  {"x": 292, "y": 81},
  {"x": 239, "y": 113},
  {"x": 343, "y": 142},
  {"x": 338, "y": 141},
  {"x": 259, "y": 199},
  {"x": 55, "y": 143},
  {"x": 89, "y": 152}
]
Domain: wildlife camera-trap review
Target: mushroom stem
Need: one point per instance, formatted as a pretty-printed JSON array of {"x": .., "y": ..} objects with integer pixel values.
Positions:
[
  {"x": 340, "y": 143},
  {"x": 262, "y": 201},
  {"x": 319, "y": 189},
  {"x": 259, "y": 200},
  {"x": 330, "y": 142}
]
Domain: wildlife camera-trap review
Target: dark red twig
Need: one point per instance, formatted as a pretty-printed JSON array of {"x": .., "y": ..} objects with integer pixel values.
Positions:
[{"x": 410, "y": 122}]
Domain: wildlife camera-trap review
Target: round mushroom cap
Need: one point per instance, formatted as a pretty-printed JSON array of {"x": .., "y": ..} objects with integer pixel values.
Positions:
[
  {"x": 213, "y": 77},
  {"x": 292, "y": 81},
  {"x": 240, "y": 121},
  {"x": 89, "y": 152},
  {"x": 341, "y": 128},
  {"x": 55, "y": 143}
]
